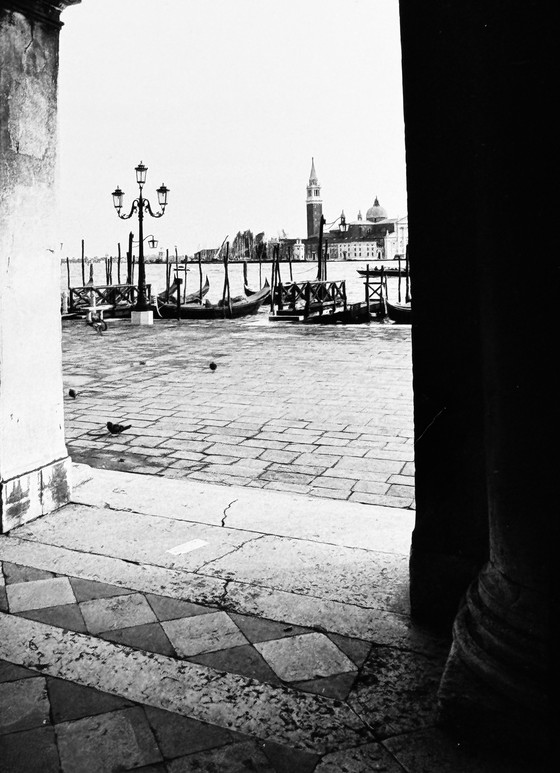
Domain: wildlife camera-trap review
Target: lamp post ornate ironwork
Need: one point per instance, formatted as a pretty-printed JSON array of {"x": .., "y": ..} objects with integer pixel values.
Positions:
[
  {"x": 141, "y": 205},
  {"x": 151, "y": 239}
]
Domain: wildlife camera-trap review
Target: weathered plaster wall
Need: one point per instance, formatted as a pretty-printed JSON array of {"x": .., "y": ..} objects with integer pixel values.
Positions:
[{"x": 31, "y": 407}]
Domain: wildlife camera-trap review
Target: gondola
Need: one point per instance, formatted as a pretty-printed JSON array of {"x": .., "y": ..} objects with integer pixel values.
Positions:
[
  {"x": 170, "y": 296},
  {"x": 240, "y": 306},
  {"x": 400, "y": 312},
  {"x": 249, "y": 292}
]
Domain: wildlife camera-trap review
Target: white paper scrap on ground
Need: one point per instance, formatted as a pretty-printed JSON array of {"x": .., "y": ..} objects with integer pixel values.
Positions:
[{"x": 186, "y": 547}]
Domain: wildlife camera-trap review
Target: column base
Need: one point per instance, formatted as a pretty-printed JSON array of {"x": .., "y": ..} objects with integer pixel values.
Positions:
[
  {"x": 142, "y": 317},
  {"x": 438, "y": 582},
  {"x": 494, "y": 687},
  {"x": 34, "y": 493}
]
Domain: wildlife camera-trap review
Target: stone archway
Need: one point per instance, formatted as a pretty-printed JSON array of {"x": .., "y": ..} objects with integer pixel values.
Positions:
[{"x": 476, "y": 88}]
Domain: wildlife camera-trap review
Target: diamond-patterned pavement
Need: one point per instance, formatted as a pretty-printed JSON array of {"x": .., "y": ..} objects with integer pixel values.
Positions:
[
  {"x": 262, "y": 649},
  {"x": 304, "y": 657},
  {"x": 196, "y": 686}
]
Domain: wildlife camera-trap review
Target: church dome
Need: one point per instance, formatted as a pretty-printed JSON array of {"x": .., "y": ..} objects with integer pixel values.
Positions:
[{"x": 376, "y": 212}]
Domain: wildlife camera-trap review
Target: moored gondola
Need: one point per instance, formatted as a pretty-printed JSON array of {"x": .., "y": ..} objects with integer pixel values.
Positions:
[
  {"x": 249, "y": 292},
  {"x": 242, "y": 306},
  {"x": 401, "y": 313}
]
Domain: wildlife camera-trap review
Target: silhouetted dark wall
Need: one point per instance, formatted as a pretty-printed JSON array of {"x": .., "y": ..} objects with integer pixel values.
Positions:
[{"x": 478, "y": 84}]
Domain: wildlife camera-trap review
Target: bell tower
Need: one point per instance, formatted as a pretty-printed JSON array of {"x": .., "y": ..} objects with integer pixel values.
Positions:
[{"x": 314, "y": 203}]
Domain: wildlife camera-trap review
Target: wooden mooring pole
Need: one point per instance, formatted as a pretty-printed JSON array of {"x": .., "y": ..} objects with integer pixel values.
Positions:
[{"x": 407, "y": 278}]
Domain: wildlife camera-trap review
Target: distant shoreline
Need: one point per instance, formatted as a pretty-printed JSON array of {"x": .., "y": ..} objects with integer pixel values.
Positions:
[{"x": 215, "y": 262}]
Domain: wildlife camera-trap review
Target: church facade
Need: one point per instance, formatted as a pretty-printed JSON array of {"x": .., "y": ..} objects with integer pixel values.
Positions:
[{"x": 378, "y": 237}]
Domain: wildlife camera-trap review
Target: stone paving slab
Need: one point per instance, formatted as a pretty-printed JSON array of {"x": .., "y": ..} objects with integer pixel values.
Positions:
[
  {"x": 301, "y": 409},
  {"x": 283, "y": 678},
  {"x": 279, "y": 513}
]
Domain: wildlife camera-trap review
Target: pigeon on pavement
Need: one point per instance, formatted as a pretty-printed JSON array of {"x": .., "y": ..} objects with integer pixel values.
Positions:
[
  {"x": 116, "y": 429},
  {"x": 72, "y": 392}
]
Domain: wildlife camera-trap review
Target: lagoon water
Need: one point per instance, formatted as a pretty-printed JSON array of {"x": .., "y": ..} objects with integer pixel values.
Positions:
[{"x": 301, "y": 272}]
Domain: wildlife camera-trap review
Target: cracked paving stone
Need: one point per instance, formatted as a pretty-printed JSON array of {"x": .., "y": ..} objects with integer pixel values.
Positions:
[{"x": 166, "y": 608}]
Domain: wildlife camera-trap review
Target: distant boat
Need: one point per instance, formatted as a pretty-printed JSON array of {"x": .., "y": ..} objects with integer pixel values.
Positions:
[{"x": 390, "y": 271}]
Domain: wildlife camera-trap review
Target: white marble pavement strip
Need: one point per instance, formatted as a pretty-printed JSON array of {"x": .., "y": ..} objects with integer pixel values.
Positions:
[
  {"x": 349, "y": 575},
  {"x": 134, "y": 536},
  {"x": 347, "y": 524},
  {"x": 281, "y": 606},
  {"x": 125, "y": 574},
  {"x": 265, "y": 711}
]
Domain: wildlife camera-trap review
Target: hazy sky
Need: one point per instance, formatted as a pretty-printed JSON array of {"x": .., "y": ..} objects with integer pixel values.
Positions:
[{"x": 226, "y": 101}]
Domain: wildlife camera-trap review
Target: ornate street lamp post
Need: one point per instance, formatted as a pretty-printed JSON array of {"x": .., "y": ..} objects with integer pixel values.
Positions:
[{"x": 141, "y": 205}]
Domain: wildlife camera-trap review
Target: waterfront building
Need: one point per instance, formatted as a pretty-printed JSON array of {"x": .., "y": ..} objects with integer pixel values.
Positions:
[
  {"x": 377, "y": 237},
  {"x": 205, "y": 256}
]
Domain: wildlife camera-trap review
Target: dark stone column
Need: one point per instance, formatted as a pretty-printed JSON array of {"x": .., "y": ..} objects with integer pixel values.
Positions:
[
  {"x": 496, "y": 57},
  {"x": 450, "y": 539}
]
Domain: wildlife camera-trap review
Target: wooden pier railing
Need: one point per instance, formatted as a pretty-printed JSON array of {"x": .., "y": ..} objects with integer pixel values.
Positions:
[
  {"x": 376, "y": 292},
  {"x": 122, "y": 296},
  {"x": 304, "y": 298}
]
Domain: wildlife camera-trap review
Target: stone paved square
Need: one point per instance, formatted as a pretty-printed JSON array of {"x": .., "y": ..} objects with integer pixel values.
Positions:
[
  {"x": 318, "y": 401},
  {"x": 306, "y": 656}
]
